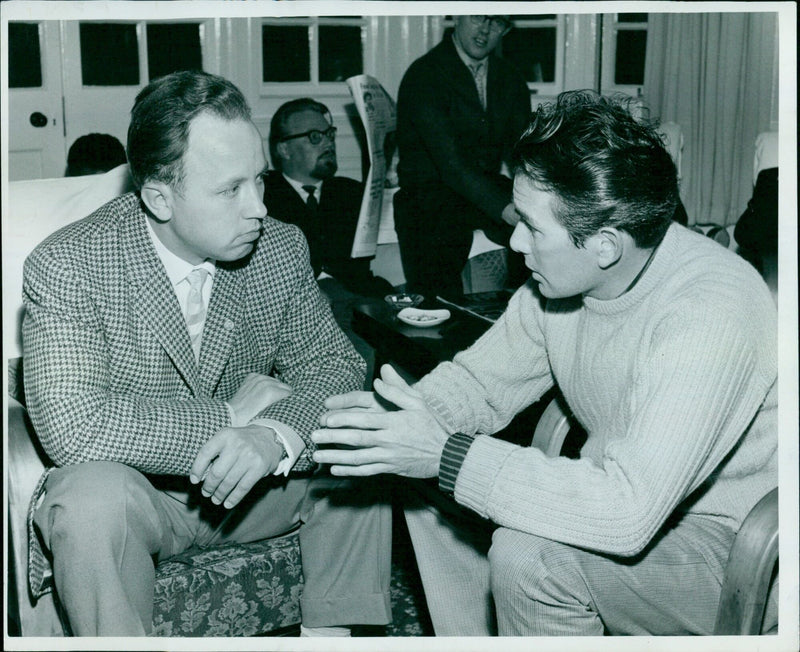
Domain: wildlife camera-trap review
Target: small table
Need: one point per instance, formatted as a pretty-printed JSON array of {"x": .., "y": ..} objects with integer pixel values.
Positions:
[{"x": 415, "y": 351}]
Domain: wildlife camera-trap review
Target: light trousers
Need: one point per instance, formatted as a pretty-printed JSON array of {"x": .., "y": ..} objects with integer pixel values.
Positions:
[
  {"x": 105, "y": 524},
  {"x": 472, "y": 570}
]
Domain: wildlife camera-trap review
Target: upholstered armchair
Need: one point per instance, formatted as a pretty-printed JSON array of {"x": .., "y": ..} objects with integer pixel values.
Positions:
[{"x": 232, "y": 590}]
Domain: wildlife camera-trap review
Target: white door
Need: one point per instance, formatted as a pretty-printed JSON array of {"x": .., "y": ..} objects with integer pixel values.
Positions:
[
  {"x": 36, "y": 142},
  {"x": 97, "y": 107}
]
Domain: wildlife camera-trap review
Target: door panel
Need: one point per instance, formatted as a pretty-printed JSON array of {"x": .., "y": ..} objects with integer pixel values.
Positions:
[
  {"x": 36, "y": 143},
  {"x": 97, "y": 109}
]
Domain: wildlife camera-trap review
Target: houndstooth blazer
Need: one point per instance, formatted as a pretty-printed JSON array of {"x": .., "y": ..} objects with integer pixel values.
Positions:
[{"x": 109, "y": 369}]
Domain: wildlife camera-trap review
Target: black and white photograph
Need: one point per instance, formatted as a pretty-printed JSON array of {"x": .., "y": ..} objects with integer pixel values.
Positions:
[{"x": 378, "y": 325}]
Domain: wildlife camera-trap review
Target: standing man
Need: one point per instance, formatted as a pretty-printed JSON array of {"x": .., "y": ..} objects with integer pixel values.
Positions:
[
  {"x": 460, "y": 110},
  {"x": 664, "y": 346},
  {"x": 303, "y": 190},
  {"x": 177, "y": 355}
]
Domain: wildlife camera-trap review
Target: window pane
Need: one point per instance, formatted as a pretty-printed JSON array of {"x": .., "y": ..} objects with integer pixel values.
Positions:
[
  {"x": 533, "y": 51},
  {"x": 172, "y": 47},
  {"x": 340, "y": 52},
  {"x": 631, "y": 18},
  {"x": 284, "y": 51},
  {"x": 629, "y": 64},
  {"x": 24, "y": 56},
  {"x": 109, "y": 54}
]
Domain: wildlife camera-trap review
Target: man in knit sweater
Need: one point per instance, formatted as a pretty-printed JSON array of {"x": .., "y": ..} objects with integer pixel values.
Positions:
[{"x": 664, "y": 346}]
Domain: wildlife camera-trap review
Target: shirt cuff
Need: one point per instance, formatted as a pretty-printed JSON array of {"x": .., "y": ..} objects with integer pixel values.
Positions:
[
  {"x": 292, "y": 443},
  {"x": 453, "y": 454}
]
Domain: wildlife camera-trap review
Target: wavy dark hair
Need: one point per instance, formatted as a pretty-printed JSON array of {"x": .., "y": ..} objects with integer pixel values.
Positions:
[
  {"x": 606, "y": 167},
  {"x": 277, "y": 127},
  {"x": 162, "y": 113}
]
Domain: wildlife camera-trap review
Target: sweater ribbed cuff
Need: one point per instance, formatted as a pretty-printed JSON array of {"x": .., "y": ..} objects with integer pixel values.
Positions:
[{"x": 453, "y": 454}]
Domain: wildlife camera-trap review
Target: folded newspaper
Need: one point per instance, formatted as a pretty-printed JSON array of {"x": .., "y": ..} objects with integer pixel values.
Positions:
[{"x": 379, "y": 115}]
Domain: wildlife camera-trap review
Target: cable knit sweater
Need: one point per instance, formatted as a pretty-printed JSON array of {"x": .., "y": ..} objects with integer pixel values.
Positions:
[{"x": 674, "y": 382}]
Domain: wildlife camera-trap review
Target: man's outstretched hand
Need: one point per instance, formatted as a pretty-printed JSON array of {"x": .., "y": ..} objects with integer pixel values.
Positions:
[{"x": 406, "y": 441}]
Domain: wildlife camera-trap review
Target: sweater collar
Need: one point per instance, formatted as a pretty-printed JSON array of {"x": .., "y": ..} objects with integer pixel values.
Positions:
[{"x": 653, "y": 277}]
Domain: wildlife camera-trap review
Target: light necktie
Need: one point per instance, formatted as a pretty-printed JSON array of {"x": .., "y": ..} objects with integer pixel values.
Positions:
[
  {"x": 311, "y": 202},
  {"x": 195, "y": 308},
  {"x": 479, "y": 73}
]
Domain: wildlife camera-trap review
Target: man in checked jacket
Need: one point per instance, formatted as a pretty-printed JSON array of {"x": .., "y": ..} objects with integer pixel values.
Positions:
[{"x": 178, "y": 353}]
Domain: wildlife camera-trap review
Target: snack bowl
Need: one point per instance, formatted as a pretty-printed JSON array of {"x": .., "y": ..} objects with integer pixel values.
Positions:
[
  {"x": 423, "y": 318},
  {"x": 403, "y": 300}
]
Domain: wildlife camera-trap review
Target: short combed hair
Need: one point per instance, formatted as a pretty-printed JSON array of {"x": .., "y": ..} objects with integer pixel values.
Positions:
[
  {"x": 162, "y": 113},
  {"x": 277, "y": 127},
  {"x": 606, "y": 167}
]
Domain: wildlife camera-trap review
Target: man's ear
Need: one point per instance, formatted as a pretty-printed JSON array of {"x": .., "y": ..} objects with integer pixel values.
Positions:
[
  {"x": 157, "y": 196},
  {"x": 608, "y": 245},
  {"x": 282, "y": 150}
]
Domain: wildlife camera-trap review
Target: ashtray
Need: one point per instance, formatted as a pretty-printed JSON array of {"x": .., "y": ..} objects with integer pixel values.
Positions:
[
  {"x": 403, "y": 300},
  {"x": 423, "y": 318}
]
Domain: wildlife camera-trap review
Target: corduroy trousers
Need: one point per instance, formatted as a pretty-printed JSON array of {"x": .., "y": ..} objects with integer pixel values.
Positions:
[{"x": 482, "y": 580}]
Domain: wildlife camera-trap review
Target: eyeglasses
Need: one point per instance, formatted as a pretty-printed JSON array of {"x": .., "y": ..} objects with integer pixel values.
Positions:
[
  {"x": 496, "y": 23},
  {"x": 315, "y": 136}
]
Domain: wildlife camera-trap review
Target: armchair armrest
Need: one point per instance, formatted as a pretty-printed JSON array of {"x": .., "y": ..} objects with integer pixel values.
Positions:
[
  {"x": 26, "y": 463},
  {"x": 552, "y": 428},
  {"x": 748, "y": 572},
  {"x": 26, "y": 459}
]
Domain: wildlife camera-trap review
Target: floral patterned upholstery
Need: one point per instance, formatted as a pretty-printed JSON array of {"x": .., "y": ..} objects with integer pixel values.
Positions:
[{"x": 231, "y": 590}]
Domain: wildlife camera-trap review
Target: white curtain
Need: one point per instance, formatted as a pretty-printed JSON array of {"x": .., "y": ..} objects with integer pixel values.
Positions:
[{"x": 716, "y": 76}]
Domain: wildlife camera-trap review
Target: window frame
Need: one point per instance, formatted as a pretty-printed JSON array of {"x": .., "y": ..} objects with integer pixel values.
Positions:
[
  {"x": 608, "y": 39},
  {"x": 314, "y": 86},
  {"x": 71, "y": 34}
]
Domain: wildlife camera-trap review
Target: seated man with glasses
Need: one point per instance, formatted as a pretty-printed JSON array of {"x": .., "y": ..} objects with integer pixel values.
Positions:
[
  {"x": 460, "y": 110},
  {"x": 303, "y": 190}
]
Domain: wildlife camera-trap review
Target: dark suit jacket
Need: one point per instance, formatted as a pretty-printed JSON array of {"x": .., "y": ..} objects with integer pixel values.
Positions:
[
  {"x": 451, "y": 153},
  {"x": 330, "y": 234},
  {"x": 109, "y": 369},
  {"x": 444, "y": 135}
]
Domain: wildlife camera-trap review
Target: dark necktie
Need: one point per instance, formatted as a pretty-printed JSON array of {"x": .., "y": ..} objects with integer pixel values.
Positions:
[{"x": 311, "y": 202}]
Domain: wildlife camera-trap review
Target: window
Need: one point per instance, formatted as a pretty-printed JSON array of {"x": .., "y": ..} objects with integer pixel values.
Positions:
[
  {"x": 112, "y": 55},
  {"x": 109, "y": 54},
  {"x": 624, "y": 49},
  {"x": 533, "y": 46},
  {"x": 24, "y": 56},
  {"x": 312, "y": 50},
  {"x": 172, "y": 47}
]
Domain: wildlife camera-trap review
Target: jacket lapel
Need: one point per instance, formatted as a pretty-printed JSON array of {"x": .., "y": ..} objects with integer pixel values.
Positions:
[{"x": 154, "y": 299}]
